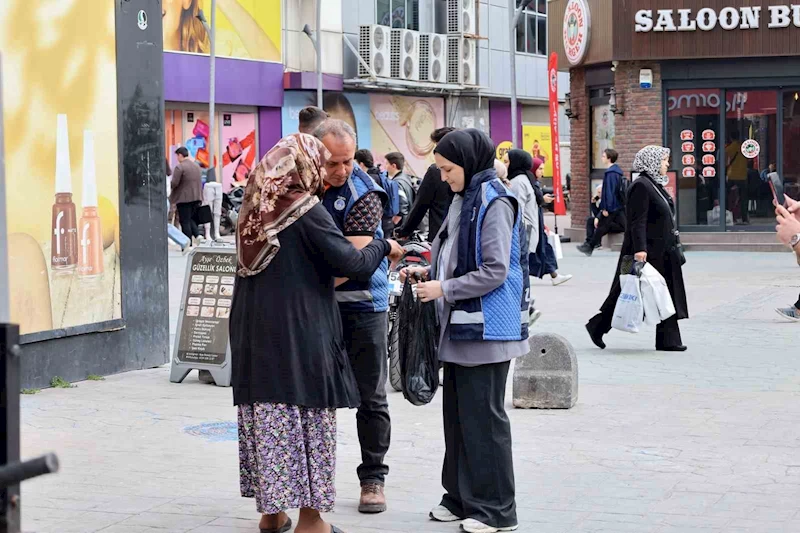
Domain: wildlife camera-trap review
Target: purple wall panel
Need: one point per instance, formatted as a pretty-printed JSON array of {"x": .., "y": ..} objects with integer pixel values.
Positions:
[
  {"x": 500, "y": 122},
  {"x": 269, "y": 129}
]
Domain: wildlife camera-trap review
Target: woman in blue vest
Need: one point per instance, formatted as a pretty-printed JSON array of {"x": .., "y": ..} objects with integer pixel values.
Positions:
[{"x": 479, "y": 280}]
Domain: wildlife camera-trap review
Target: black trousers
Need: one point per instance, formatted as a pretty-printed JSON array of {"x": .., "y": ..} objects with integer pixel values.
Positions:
[
  {"x": 797, "y": 304},
  {"x": 186, "y": 213},
  {"x": 589, "y": 228},
  {"x": 478, "y": 471},
  {"x": 365, "y": 335},
  {"x": 668, "y": 333},
  {"x": 614, "y": 223}
]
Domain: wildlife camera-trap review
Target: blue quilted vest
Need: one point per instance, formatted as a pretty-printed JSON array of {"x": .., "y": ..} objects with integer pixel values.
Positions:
[
  {"x": 356, "y": 296},
  {"x": 502, "y": 314}
]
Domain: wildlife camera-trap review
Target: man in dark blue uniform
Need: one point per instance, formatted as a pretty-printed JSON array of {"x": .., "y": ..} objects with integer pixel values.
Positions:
[{"x": 356, "y": 204}]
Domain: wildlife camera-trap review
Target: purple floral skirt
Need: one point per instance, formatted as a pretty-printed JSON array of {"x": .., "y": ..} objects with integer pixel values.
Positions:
[{"x": 287, "y": 457}]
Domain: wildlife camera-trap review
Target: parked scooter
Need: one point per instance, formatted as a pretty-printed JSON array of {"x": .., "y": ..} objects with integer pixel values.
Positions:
[{"x": 418, "y": 253}]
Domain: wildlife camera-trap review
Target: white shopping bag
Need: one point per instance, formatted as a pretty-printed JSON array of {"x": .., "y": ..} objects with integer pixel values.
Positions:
[
  {"x": 656, "y": 299},
  {"x": 629, "y": 312},
  {"x": 555, "y": 242}
]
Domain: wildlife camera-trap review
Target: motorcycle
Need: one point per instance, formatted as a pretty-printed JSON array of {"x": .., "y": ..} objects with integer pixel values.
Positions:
[
  {"x": 417, "y": 253},
  {"x": 231, "y": 204}
]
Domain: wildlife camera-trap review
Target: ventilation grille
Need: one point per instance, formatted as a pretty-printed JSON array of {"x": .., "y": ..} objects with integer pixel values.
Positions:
[{"x": 425, "y": 57}]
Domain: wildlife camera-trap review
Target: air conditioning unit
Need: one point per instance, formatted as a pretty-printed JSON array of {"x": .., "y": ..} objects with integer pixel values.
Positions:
[
  {"x": 461, "y": 16},
  {"x": 405, "y": 54},
  {"x": 374, "y": 48},
  {"x": 461, "y": 60},
  {"x": 433, "y": 57}
]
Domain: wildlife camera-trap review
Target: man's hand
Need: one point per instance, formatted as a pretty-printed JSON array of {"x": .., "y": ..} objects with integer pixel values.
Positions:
[
  {"x": 396, "y": 219},
  {"x": 788, "y": 225},
  {"x": 596, "y": 222},
  {"x": 429, "y": 290},
  {"x": 605, "y": 213},
  {"x": 414, "y": 272},
  {"x": 641, "y": 257},
  {"x": 548, "y": 198},
  {"x": 793, "y": 206},
  {"x": 397, "y": 251}
]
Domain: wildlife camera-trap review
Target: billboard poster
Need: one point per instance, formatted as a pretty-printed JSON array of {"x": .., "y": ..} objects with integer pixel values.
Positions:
[
  {"x": 246, "y": 29},
  {"x": 62, "y": 206},
  {"x": 353, "y": 108},
  {"x": 537, "y": 141},
  {"x": 404, "y": 124}
]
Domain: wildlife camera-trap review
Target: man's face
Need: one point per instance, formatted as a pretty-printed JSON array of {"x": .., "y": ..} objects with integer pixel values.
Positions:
[
  {"x": 340, "y": 164},
  {"x": 604, "y": 159},
  {"x": 180, "y": 158}
]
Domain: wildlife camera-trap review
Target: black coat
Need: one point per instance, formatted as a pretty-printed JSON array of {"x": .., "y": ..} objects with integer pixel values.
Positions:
[
  {"x": 650, "y": 217},
  {"x": 434, "y": 197},
  {"x": 285, "y": 327}
]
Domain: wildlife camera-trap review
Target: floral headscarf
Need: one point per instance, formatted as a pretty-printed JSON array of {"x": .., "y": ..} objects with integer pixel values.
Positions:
[
  {"x": 283, "y": 187},
  {"x": 648, "y": 161}
]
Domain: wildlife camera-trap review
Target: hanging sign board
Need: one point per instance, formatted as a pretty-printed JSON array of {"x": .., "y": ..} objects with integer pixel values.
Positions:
[{"x": 201, "y": 341}]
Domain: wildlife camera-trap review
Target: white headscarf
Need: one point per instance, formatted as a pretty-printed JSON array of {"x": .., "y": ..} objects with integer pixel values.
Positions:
[{"x": 648, "y": 161}]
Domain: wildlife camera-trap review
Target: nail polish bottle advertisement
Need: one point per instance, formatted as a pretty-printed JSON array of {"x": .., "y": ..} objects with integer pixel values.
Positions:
[
  {"x": 90, "y": 233},
  {"x": 64, "y": 253}
]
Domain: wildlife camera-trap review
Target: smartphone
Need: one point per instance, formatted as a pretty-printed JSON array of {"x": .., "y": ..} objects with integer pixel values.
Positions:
[{"x": 776, "y": 187}]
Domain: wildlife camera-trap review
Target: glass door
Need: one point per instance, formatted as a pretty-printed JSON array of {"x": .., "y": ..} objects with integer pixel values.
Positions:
[
  {"x": 751, "y": 154},
  {"x": 789, "y": 170}
]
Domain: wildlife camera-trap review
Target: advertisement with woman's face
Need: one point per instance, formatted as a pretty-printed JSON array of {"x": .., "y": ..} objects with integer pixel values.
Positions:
[{"x": 245, "y": 29}]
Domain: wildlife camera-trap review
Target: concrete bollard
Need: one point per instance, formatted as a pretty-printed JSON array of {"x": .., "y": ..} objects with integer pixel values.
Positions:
[{"x": 546, "y": 378}]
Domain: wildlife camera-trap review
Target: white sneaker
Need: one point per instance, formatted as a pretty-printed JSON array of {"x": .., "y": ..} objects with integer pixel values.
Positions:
[
  {"x": 471, "y": 525},
  {"x": 440, "y": 513},
  {"x": 561, "y": 278},
  {"x": 534, "y": 316}
]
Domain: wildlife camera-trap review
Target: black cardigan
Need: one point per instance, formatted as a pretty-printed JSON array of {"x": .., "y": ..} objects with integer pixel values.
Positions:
[
  {"x": 285, "y": 327},
  {"x": 434, "y": 197}
]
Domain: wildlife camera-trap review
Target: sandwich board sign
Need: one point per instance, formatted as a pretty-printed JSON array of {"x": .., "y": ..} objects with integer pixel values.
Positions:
[{"x": 202, "y": 339}]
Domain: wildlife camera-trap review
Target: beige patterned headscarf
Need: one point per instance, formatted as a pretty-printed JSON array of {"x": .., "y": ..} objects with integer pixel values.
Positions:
[{"x": 282, "y": 188}]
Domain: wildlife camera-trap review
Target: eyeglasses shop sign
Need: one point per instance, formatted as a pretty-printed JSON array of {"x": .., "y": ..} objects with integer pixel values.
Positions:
[{"x": 727, "y": 18}]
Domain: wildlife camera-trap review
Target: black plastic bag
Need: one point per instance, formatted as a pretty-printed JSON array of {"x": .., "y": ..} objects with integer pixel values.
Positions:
[{"x": 419, "y": 334}]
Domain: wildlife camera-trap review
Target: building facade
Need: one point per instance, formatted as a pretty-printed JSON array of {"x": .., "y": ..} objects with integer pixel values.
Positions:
[{"x": 718, "y": 84}]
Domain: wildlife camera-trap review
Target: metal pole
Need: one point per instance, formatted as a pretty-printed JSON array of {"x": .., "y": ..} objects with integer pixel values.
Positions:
[
  {"x": 319, "y": 53},
  {"x": 514, "y": 14},
  {"x": 212, "y": 92},
  {"x": 5, "y": 291}
]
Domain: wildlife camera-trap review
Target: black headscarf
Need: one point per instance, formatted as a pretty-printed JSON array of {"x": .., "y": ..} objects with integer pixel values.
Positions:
[
  {"x": 470, "y": 149},
  {"x": 519, "y": 162}
]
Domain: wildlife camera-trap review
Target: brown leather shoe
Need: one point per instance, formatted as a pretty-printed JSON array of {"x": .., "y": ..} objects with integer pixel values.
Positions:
[{"x": 372, "y": 499}]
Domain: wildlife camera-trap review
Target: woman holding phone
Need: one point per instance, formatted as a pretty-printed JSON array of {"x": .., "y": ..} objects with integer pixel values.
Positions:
[
  {"x": 478, "y": 275},
  {"x": 651, "y": 236}
]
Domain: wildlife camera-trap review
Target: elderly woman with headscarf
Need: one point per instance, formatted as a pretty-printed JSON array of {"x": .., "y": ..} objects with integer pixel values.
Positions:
[
  {"x": 479, "y": 280},
  {"x": 288, "y": 383},
  {"x": 651, "y": 236},
  {"x": 542, "y": 259}
]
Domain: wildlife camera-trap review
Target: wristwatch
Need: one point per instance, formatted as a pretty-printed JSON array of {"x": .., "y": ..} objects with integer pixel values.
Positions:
[{"x": 794, "y": 241}]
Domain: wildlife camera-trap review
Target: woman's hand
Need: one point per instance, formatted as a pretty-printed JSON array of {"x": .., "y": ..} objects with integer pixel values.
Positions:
[
  {"x": 414, "y": 272},
  {"x": 549, "y": 198},
  {"x": 788, "y": 225},
  {"x": 641, "y": 257},
  {"x": 397, "y": 251},
  {"x": 430, "y": 290},
  {"x": 596, "y": 222}
]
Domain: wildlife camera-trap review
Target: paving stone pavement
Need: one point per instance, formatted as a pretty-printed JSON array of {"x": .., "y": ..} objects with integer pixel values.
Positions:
[{"x": 704, "y": 441}]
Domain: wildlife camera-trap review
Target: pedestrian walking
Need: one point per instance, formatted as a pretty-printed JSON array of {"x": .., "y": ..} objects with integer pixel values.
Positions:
[
  {"x": 288, "y": 383},
  {"x": 542, "y": 261},
  {"x": 433, "y": 198},
  {"x": 519, "y": 164},
  {"x": 652, "y": 237},
  {"x": 395, "y": 166},
  {"x": 356, "y": 203},
  {"x": 173, "y": 233},
  {"x": 366, "y": 162},
  {"x": 187, "y": 192},
  {"x": 478, "y": 285},
  {"x": 612, "y": 203}
]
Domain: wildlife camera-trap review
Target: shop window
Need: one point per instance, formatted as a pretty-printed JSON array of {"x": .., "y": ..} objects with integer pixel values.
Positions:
[
  {"x": 398, "y": 13},
  {"x": 532, "y": 29},
  {"x": 603, "y": 125},
  {"x": 791, "y": 140}
]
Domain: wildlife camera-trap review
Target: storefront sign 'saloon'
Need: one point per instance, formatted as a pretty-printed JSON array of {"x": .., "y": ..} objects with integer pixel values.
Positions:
[
  {"x": 707, "y": 19},
  {"x": 577, "y": 28}
]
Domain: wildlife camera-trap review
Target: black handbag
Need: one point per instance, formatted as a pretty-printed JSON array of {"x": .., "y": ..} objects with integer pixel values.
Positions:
[
  {"x": 202, "y": 215},
  {"x": 677, "y": 248}
]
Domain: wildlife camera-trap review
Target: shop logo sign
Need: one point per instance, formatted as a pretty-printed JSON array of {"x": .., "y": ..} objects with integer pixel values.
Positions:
[
  {"x": 751, "y": 148},
  {"x": 707, "y": 100},
  {"x": 688, "y": 160},
  {"x": 709, "y": 159},
  {"x": 141, "y": 19},
  {"x": 577, "y": 27},
  {"x": 707, "y": 18},
  {"x": 709, "y": 147}
]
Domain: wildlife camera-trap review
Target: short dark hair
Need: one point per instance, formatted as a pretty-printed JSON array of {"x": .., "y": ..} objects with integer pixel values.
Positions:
[
  {"x": 310, "y": 118},
  {"x": 611, "y": 154},
  {"x": 182, "y": 151},
  {"x": 438, "y": 134},
  {"x": 364, "y": 156},
  {"x": 396, "y": 159}
]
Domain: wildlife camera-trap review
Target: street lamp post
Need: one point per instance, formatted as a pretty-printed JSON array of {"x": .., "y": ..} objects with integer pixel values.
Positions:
[
  {"x": 211, "y": 29},
  {"x": 317, "y": 43},
  {"x": 514, "y": 13}
]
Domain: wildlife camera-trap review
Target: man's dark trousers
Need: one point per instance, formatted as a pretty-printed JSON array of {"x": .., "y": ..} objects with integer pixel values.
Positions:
[{"x": 614, "y": 223}]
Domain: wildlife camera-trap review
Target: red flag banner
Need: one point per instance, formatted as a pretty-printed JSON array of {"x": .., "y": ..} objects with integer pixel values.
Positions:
[{"x": 552, "y": 76}]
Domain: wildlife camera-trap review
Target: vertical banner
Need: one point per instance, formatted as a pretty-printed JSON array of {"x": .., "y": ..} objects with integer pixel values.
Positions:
[{"x": 552, "y": 75}]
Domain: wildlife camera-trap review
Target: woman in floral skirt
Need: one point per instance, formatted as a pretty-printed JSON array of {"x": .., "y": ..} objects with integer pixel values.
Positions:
[{"x": 290, "y": 369}]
